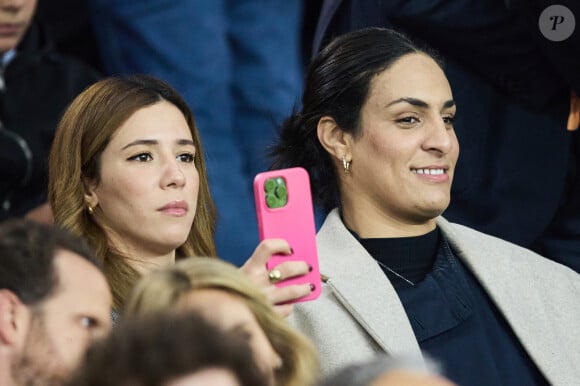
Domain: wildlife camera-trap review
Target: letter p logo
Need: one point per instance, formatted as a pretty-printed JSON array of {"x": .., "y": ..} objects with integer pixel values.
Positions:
[
  {"x": 557, "y": 23},
  {"x": 556, "y": 20}
]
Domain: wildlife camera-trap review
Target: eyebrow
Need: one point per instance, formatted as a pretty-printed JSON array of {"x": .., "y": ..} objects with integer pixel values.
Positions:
[
  {"x": 151, "y": 142},
  {"x": 420, "y": 103}
]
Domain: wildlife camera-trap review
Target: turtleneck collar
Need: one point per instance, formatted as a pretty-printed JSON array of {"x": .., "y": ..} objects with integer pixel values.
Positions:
[{"x": 410, "y": 257}]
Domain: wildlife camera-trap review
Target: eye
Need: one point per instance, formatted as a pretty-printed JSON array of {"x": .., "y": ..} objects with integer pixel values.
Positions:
[
  {"x": 408, "y": 120},
  {"x": 186, "y": 157},
  {"x": 449, "y": 120},
  {"x": 88, "y": 322},
  {"x": 141, "y": 157}
]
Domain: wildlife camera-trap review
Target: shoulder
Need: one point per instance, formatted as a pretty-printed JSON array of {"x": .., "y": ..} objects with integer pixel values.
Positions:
[
  {"x": 339, "y": 253},
  {"x": 37, "y": 63},
  {"x": 333, "y": 230},
  {"x": 56, "y": 80},
  {"x": 482, "y": 251}
]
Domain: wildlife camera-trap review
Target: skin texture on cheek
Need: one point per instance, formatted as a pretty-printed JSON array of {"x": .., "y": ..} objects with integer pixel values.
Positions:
[
  {"x": 39, "y": 364},
  {"x": 378, "y": 179},
  {"x": 77, "y": 311}
]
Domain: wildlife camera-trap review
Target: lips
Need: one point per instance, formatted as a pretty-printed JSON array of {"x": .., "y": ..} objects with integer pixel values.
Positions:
[
  {"x": 175, "y": 208},
  {"x": 432, "y": 173},
  {"x": 7, "y": 29}
]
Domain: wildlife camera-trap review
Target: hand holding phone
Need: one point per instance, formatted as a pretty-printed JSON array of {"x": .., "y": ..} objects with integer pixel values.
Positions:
[{"x": 284, "y": 210}]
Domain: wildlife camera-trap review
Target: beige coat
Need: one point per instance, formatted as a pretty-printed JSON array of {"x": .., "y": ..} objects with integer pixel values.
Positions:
[{"x": 359, "y": 312}]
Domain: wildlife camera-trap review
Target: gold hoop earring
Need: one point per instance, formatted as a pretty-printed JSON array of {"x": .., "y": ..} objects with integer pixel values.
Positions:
[
  {"x": 90, "y": 210},
  {"x": 279, "y": 364},
  {"x": 345, "y": 165}
]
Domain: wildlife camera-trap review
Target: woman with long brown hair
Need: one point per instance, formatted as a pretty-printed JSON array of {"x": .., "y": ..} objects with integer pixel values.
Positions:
[{"x": 127, "y": 172}]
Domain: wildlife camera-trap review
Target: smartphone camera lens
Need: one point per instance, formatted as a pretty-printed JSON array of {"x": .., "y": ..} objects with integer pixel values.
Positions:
[
  {"x": 269, "y": 185},
  {"x": 271, "y": 201},
  {"x": 276, "y": 192},
  {"x": 281, "y": 192}
]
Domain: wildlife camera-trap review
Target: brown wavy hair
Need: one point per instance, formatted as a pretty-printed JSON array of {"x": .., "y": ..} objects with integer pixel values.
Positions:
[
  {"x": 82, "y": 135},
  {"x": 164, "y": 290}
]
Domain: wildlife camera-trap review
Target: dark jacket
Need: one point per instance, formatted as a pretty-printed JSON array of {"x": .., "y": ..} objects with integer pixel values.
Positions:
[{"x": 39, "y": 84}]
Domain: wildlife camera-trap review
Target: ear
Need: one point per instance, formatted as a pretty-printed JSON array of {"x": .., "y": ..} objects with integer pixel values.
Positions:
[
  {"x": 91, "y": 198},
  {"x": 333, "y": 139},
  {"x": 14, "y": 319}
]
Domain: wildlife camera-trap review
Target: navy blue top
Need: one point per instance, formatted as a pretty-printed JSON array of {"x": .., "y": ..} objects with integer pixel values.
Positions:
[{"x": 455, "y": 321}]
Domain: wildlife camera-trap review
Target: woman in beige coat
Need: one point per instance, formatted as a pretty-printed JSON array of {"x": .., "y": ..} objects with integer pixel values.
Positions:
[{"x": 376, "y": 134}]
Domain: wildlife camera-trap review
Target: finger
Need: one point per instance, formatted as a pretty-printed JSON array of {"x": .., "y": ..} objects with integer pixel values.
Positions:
[
  {"x": 289, "y": 269},
  {"x": 280, "y": 295},
  {"x": 284, "y": 309},
  {"x": 256, "y": 263},
  {"x": 270, "y": 247}
]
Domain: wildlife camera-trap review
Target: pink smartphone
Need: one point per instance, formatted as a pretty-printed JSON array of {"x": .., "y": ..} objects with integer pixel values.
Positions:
[{"x": 284, "y": 210}]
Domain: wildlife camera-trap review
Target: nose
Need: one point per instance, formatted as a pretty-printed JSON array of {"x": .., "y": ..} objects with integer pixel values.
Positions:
[
  {"x": 173, "y": 175},
  {"x": 440, "y": 138}
]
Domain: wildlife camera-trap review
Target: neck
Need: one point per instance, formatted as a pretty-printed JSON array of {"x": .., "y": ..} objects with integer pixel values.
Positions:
[
  {"x": 5, "y": 367},
  {"x": 146, "y": 264},
  {"x": 369, "y": 221},
  {"x": 141, "y": 256},
  {"x": 405, "y": 260}
]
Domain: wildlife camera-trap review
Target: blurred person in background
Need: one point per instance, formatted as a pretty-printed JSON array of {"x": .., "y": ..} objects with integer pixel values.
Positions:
[
  {"x": 169, "y": 349},
  {"x": 54, "y": 301},
  {"x": 225, "y": 296},
  {"x": 36, "y": 84}
]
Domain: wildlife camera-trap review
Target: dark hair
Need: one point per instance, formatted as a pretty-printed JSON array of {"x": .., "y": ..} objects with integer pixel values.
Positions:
[
  {"x": 27, "y": 253},
  {"x": 337, "y": 85},
  {"x": 153, "y": 349}
]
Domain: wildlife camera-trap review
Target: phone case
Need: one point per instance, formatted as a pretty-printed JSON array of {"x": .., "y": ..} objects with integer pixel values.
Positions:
[{"x": 284, "y": 210}]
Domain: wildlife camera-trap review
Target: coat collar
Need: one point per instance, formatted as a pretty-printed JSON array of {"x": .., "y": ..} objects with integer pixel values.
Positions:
[
  {"x": 506, "y": 272},
  {"x": 350, "y": 269}
]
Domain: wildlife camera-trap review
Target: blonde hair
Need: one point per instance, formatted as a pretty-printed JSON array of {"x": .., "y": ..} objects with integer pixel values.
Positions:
[
  {"x": 164, "y": 290},
  {"x": 81, "y": 137}
]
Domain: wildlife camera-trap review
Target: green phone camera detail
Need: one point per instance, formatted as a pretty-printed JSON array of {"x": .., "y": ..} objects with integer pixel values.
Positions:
[{"x": 276, "y": 192}]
